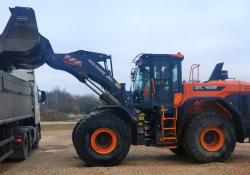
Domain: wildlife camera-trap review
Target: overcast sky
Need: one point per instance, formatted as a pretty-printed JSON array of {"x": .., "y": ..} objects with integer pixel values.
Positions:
[{"x": 206, "y": 32}]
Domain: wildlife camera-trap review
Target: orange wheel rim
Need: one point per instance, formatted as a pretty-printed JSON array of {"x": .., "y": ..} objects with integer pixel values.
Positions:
[
  {"x": 212, "y": 138},
  {"x": 103, "y": 140}
]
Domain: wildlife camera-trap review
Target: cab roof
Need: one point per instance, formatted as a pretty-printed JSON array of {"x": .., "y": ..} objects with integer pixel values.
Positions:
[{"x": 141, "y": 56}]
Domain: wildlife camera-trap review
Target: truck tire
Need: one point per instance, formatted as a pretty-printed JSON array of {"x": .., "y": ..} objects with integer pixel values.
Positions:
[
  {"x": 38, "y": 137},
  {"x": 29, "y": 143},
  {"x": 21, "y": 150},
  {"x": 36, "y": 144},
  {"x": 209, "y": 137},
  {"x": 102, "y": 139}
]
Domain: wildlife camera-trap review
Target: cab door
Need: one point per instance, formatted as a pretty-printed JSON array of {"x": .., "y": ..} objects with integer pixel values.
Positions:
[
  {"x": 165, "y": 81},
  {"x": 141, "y": 85}
]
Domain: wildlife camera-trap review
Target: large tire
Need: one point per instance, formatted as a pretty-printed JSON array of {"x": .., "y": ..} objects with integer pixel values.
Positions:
[
  {"x": 75, "y": 128},
  {"x": 102, "y": 124},
  {"x": 179, "y": 151},
  {"x": 209, "y": 137}
]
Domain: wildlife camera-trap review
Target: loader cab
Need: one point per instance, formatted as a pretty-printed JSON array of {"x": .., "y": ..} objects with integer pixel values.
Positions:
[{"x": 155, "y": 79}]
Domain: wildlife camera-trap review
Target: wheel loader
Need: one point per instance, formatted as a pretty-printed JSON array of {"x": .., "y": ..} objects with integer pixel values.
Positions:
[{"x": 199, "y": 120}]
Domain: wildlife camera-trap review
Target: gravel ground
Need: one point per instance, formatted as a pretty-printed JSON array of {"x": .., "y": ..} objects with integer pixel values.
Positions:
[{"x": 56, "y": 155}]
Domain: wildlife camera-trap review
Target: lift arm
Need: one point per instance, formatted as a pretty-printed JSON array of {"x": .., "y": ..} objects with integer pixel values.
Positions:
[
  {"x": 22, "y": 46},
  {"x": 86, "y": 67}
]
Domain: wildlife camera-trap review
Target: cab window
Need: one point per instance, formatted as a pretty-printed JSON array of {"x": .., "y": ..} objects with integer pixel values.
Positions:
[{"x": 141, "y": 78}]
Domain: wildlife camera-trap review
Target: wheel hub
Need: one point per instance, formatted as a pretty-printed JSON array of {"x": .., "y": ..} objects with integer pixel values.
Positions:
[
  {"x": 103, "y": 140},
  {"x": 212, "y": 138}
]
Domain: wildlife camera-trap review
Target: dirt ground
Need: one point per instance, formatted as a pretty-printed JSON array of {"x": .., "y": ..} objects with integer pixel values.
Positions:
[{"x": 56, "y": 155}]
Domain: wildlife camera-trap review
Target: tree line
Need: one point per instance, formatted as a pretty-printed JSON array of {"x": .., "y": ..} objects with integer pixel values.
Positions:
[{"x": 60, "y": 103}]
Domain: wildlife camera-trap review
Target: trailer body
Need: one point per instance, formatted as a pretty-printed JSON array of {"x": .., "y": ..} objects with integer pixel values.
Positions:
[{"x": 19, "y": 114}]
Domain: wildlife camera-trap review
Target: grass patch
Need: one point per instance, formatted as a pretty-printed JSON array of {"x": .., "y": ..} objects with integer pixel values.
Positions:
[
  {"x": 53, "y": 115},
  {"x": 56, "y": 127}
]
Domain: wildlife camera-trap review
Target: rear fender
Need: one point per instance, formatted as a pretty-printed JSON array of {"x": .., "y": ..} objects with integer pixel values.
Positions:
[{"x": 236, "y": 116}]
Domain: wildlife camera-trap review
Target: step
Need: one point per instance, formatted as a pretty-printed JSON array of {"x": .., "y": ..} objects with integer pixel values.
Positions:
[
  {"x": 168, "y": 138},
  {"x": 169, "y": 118},
  {"x": 167, "y": 145},
  {"x": 170, "y": 147},
  {"x": 169, "y": 128}
]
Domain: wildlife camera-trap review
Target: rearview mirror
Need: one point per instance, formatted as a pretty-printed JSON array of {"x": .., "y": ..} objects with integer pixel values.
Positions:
[
  {"x": 132, "y": 74},
  {"x": 42, "y": 97}
]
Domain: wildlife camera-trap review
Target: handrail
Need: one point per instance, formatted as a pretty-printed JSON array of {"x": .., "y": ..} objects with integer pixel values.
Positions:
[
  {"x": 137, "y": 56},
  {"x": 191, "y": 75}
]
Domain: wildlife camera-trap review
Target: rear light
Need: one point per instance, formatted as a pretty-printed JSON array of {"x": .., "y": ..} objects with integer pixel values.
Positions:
[{"x": 18, "y": 139}]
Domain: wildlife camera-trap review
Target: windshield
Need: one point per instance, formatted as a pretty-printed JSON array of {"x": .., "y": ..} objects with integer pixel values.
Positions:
[{"x": 142, "y": 76}]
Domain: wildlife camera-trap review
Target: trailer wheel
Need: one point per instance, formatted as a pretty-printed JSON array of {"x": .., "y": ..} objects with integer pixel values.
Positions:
[
  {"x": 36, "y": 145},
  {"x": 38, "y": 137},
  {"x": 209, "y": 137},
  {"x": 29, "y": 142},
  {"x": 102, "y": 139},
  {"x": 21, "y": 150}
]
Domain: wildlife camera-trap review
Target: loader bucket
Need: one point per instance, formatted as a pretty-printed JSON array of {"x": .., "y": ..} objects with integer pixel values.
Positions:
[
  {"x": 20, "y": 35},
  {"x": 20, "y": 40}
]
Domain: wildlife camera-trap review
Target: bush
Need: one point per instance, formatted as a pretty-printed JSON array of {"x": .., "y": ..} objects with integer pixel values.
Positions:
[
  {"x": 52, "y": 115},
  {"x": 60, "y": 102},
  {"x": 87, "y": 103},
  {"x": 76, "y": 109}
]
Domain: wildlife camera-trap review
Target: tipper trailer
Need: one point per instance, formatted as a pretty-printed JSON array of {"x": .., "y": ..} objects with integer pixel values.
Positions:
[{"x": 20, "y": 129}]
